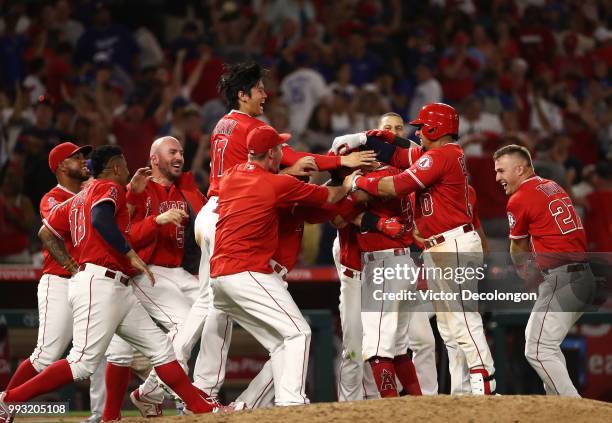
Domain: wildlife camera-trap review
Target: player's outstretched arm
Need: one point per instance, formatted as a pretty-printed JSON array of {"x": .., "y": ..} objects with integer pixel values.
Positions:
[
  {"x": 379, "y": 187},
  {"x": 57, "y": 249},
  {"x": 140, "y": 265},
  {"x": 335, "y": 194}
]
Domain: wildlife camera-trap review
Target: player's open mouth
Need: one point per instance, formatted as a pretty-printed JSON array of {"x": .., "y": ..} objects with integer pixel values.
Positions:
[
  {"x": 177, "y": 165},
  {"x": 504, "y": 185}
]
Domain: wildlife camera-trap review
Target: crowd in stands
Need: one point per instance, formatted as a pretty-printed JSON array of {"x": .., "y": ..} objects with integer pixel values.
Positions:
[{"x": 530, "y": 72}]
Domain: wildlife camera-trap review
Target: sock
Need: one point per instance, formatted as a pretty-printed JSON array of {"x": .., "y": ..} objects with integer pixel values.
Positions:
[
  {"x": 406, "y": 373},
  {"x": 53, "y": 377},
  {"x": 24, "y": 372},
  {"x": 117, "y": 380},
  {"x": 173, "y": 375},
  {"x": 384, "y": 375}
]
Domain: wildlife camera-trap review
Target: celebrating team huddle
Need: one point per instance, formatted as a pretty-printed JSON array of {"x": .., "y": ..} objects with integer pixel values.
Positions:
[{"x": 119, "y": 262}]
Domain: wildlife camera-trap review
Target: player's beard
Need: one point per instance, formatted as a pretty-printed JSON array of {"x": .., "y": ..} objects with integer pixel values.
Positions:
[
  {"x": 78, "y": 174},
  {"x": 167, "y": 171}
]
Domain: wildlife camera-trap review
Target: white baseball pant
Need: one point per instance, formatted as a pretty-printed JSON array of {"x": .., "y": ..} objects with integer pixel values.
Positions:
[
  {"x": 561, "y": 298},
  {"x": 419, "y": 337},
  {"x": 54, "y": 321},
  {"x": 461, "y": 330},
  {"x": 215, "y": 326},
  {"x": 261, "y": 304},
  {"x": 382, "y": 328},
  {"x": 353, "y": 382},
  {"x": 168, "y": 303},
  {"x": 97, "y": 390},
  {"x": 103, "y": 306}
]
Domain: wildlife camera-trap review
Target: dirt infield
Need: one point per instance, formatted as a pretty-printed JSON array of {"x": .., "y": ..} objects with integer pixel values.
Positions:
[{"x": 423, "y": 409}]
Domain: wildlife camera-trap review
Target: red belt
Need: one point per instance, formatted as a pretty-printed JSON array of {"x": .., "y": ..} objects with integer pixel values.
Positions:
[
  {"x": 432, "y": 242},
  {"x": 278, "y": 269},
  {"x": 111, "y": 275}
]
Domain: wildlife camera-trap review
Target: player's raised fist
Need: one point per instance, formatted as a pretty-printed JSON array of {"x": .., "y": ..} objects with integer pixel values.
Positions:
[
  {"x": 140, "y": 179},
  {"x": 174, "y": 216}
]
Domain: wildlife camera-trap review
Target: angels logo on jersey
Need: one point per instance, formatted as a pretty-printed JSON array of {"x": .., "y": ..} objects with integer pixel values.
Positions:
[
  {"x": 511, "y": 220},
  {"x": 112, "y": 193},
  {"x": 52, "y": 202},
  {"x": 425, "y": 162}
]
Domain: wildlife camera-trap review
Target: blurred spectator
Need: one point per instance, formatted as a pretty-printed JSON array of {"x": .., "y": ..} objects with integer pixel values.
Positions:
[
  {"x": 103, "y": 36},
  {"x": 16, "y": 217},
  {"x": 364, "y": 64},
  {"x": 319, "y": 132},
  {"x": 493, "y": 100},
  {"x": 536, "y": 41},
  {"x": 33, "y": 82},
  {"x": 477, "y": 127},
  {"x": 12, "y": 48},
  {"x": 545, "y": 117},
  {"x": 302, "y": 90},
  {"x": 548, "y": 164},
  {"x": 342, "y": 84},
  {"x": 428, "y": 90},
  {"x": 203, "y": 73},
  {"x": 70, "y": 30},
  {"x": 34, "y": 143},
  {"x": 598, "y": 219},
  {"x": 458, "y": 70},
  {"x": 369, "y": 106}
]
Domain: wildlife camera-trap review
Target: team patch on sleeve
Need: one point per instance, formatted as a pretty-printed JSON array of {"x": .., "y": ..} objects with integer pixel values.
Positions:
[
  {"x": 425, "y": 162},
  {"x": 52, "y": 202},
  {"x": 113, "y": 193},
  {"x": 511, "y": 220}
]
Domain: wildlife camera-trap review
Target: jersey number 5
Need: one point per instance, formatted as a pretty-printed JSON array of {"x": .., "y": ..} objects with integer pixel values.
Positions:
[
  {"x": 219, "y": 145},
  {"x": 564, "y": 214}
]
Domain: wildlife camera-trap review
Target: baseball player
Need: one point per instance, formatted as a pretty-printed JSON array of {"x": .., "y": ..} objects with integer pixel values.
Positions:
[
  {"x": 243, "y": 88},
  {"x": 67, "y": 161},
  {"x": 162, "y": 205},
  {"x": 260, "y": 392},
  {"x": 419, "y": 337},
  {"x": 444, "y": 219},
  {"x": 242, "y": 280},
  {"x": 543, "y": 221},
  {"x": 99, "y": 292}
]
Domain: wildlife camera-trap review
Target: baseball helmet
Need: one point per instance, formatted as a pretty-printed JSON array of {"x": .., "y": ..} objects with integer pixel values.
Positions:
[{"x": 437, "y": 120}]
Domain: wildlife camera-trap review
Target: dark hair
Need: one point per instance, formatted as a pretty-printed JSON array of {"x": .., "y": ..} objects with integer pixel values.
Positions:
[
  {"x": 515, "y": 150},
  {"x": 239, "y": 77},
  {"x": 101, "y": 156}
]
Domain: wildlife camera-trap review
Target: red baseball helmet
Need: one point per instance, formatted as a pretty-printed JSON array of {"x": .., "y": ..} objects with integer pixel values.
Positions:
[{"x": 437, "y": 120}]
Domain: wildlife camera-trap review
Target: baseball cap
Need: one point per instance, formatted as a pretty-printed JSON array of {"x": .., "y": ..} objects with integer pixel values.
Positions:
[
  {"x": 263, "y": 138},
  {"x": 64, "y": 150}
]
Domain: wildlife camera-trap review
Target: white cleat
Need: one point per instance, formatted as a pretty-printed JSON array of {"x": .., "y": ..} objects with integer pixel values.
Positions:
[
  {"x": 147, "y": 408},
  {"x": 5, "y": 414}
]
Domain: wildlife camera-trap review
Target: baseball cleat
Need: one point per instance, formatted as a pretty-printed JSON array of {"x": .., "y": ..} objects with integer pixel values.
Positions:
[
  {"x": 5, "y": 414},
  {"x": 147, "y": 408},
  {"x": 93, "y": 419},
  {"x": 237, "y": 405}
]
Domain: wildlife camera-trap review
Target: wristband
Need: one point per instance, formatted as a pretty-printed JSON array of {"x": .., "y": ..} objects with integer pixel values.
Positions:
[{"x": 369, "y": 185}]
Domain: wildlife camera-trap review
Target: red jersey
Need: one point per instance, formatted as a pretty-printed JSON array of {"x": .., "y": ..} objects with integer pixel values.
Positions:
[
  {"x": 473, "y": 207},
  {"x": 403, "y": 158},
  {"x": 399, "y": 207},
  {"x": 162, "y": 245},
  {"x": 72, "y": 220},
  {"x": 440, "y": 180},
  {"x": 541, "y": 209},
  {"x": 56, "y": 196},
  {"x": 228, "y": 148},
  {"x": 350, "y": 254},
  {"x": 246, "y": 235},
  {"x": 291, "y": 226}
]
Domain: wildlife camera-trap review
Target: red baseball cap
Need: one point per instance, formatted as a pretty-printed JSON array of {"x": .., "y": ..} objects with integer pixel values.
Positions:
[
  {"x": 263, "y": 138},
  {"x": 64, "y": 150}
]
